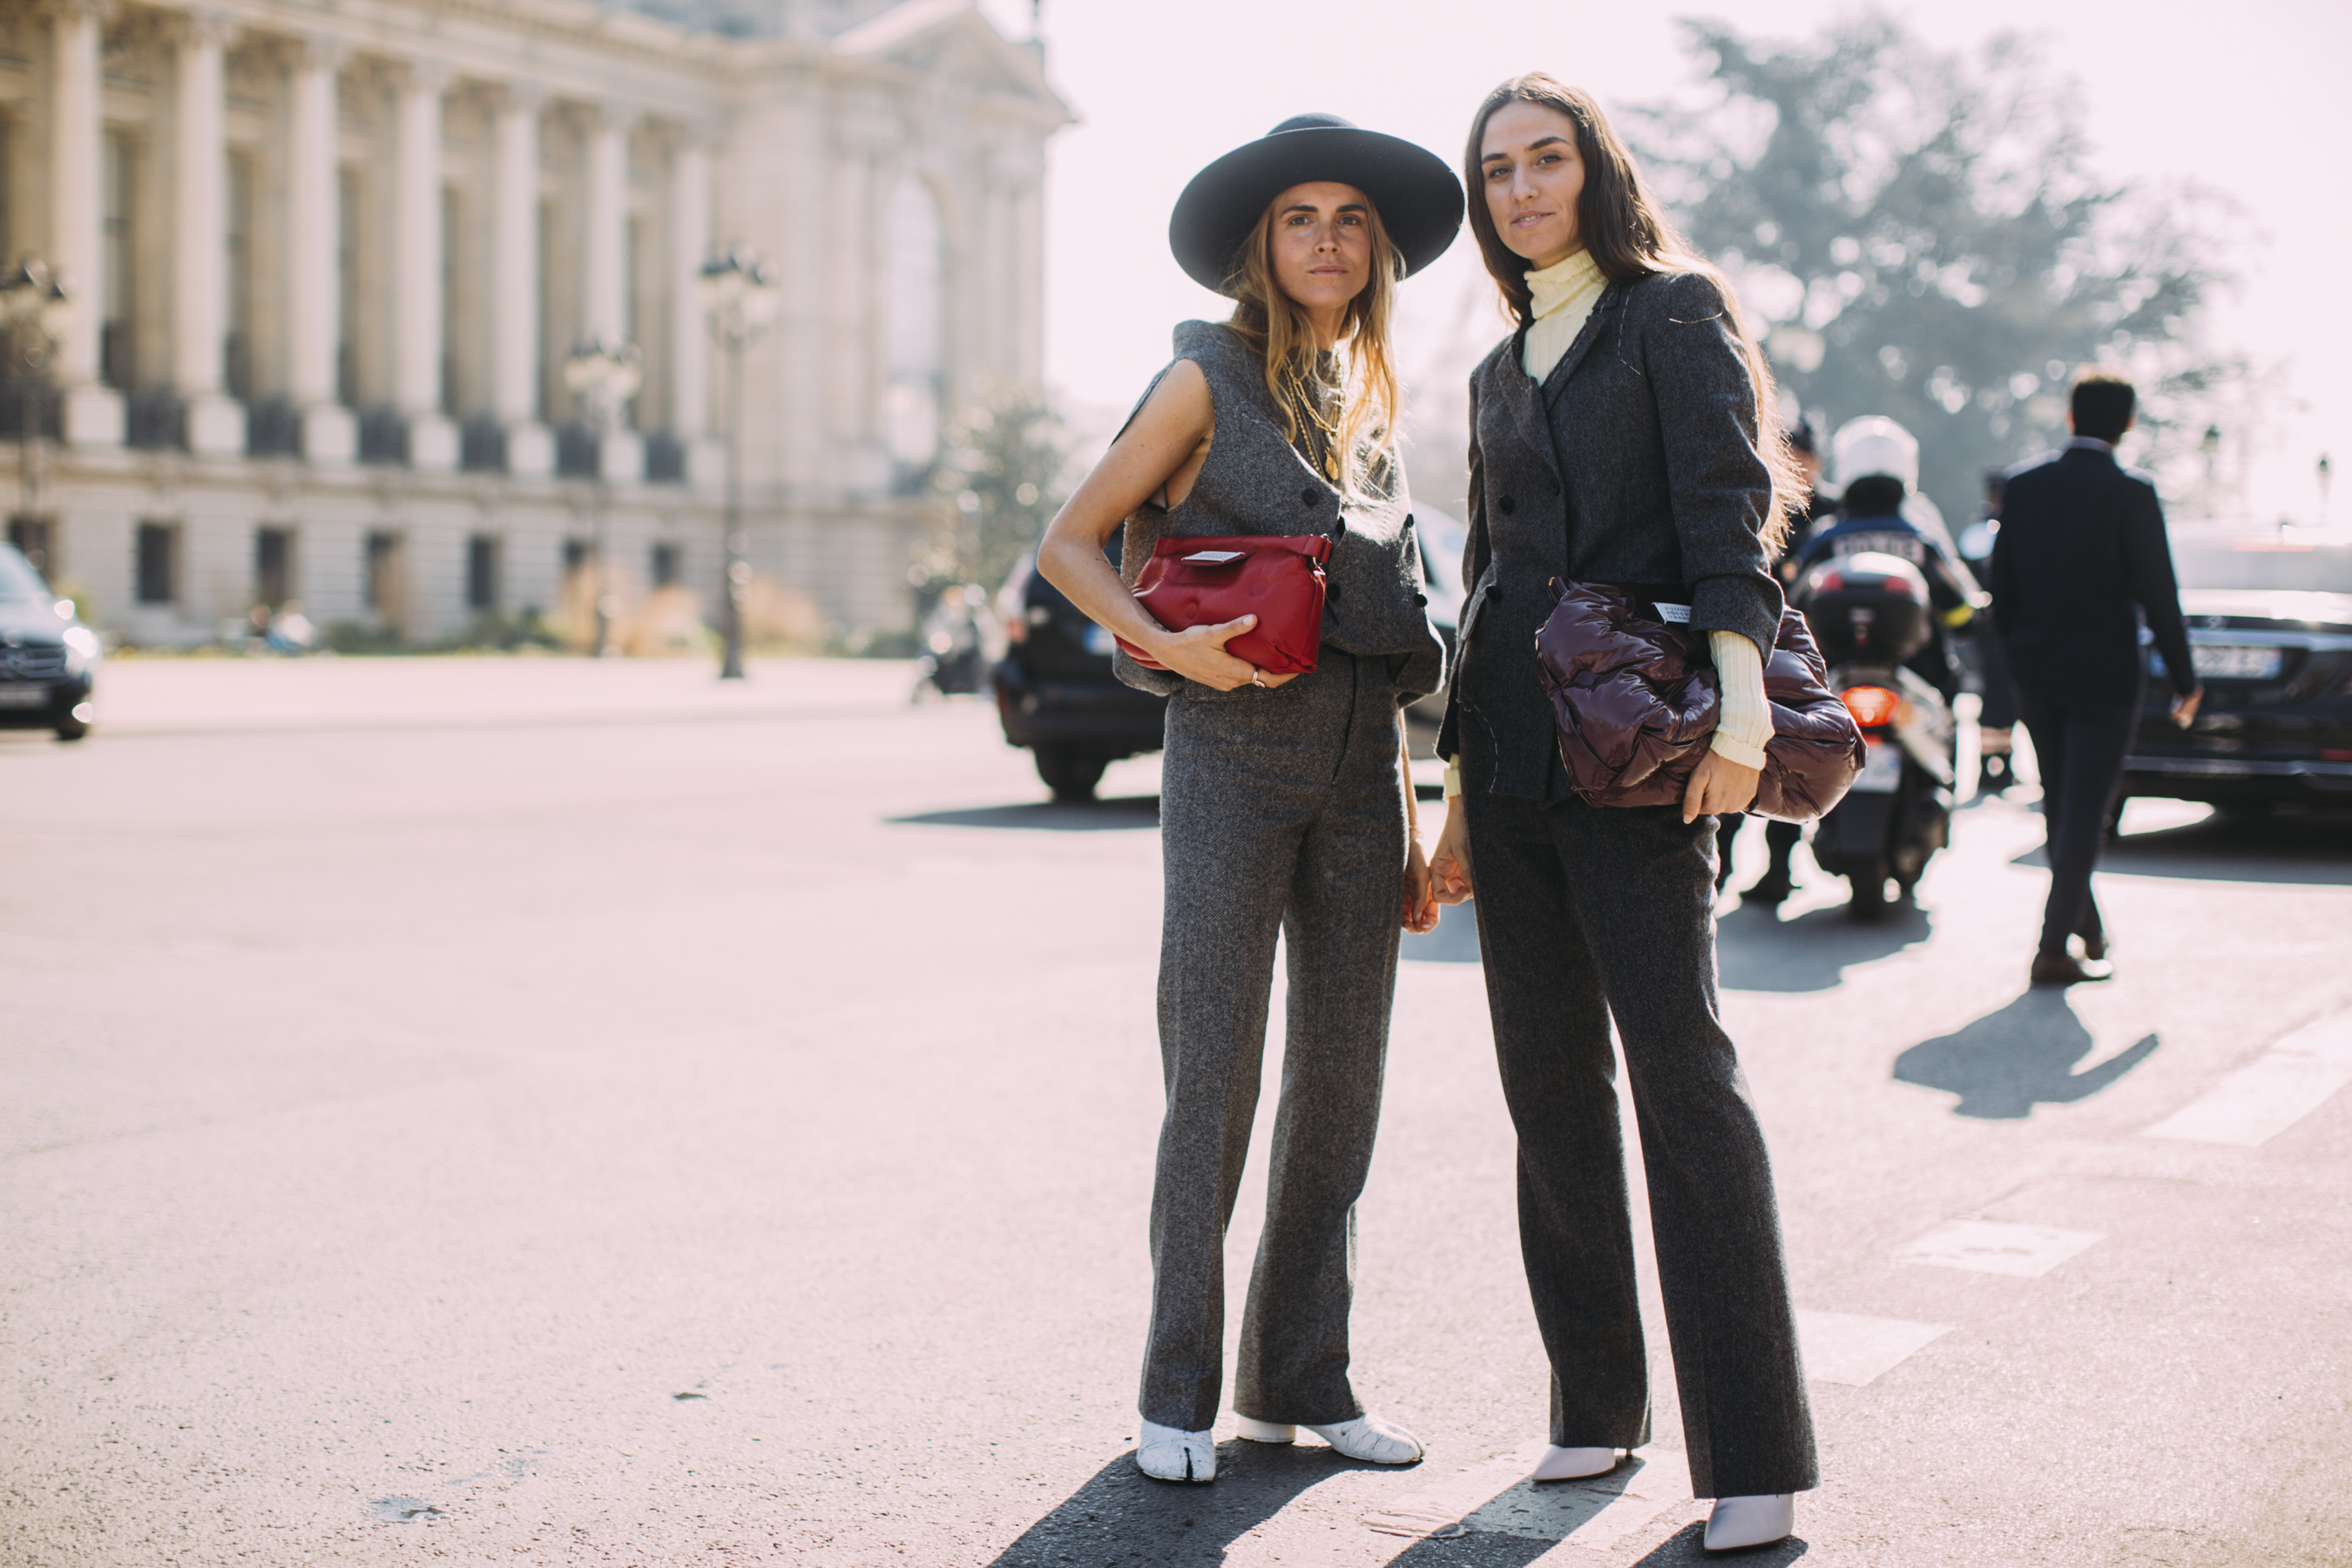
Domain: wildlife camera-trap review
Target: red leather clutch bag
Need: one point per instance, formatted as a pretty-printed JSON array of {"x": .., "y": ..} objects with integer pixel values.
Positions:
[{"x": 1277, "y": 577}]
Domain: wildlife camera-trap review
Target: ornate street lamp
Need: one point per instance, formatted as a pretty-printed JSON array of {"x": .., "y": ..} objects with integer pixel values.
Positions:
[
  {"x": 739, "y": 290},
  {"x": 603, "y": 376},
  {"x": 36, "y": 312}
]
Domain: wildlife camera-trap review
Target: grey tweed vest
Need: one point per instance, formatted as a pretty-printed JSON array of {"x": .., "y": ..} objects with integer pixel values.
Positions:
[{"x": 1254, "y": 482}]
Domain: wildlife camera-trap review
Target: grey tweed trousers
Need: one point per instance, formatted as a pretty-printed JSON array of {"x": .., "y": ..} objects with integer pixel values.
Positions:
[
  {"x": 1586, "y": 912},
  {"x": 1282, "y": 813}
]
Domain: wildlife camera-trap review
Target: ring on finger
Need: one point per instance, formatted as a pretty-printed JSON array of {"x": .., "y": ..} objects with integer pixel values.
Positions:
[{"x": 1257, "y": 678}]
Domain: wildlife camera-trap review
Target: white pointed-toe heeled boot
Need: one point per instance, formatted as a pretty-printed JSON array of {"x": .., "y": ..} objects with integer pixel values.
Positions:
[
  {"x": 1560, "y": 1464},
  {"x": 1739, "y": 1521},
  {"x": 1367, "y": 1437},
  {"x": 1173, "y": 1454}
]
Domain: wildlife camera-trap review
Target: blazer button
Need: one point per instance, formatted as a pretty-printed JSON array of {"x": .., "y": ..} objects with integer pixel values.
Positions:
[
  {"x": 1307, "y": 497},
  {"x": 1330, "y": 592},
  {"x": 1506, "y": 505},
  {"x": 1495, "y": 595},
  {"x": 1421, "y": 601}
]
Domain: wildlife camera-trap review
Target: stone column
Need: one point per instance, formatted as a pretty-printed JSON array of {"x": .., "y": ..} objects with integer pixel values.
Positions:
[
  {"x": 514, "y": 284},
  {"x": 199, "y": 269},
  {"x": 313, "y": 295},
  {"x": 93, "y": 412},
  {"x": 689, "y": 332},
  {"x": 603, "y": 274},
  {"x": 416, "y": 303}
]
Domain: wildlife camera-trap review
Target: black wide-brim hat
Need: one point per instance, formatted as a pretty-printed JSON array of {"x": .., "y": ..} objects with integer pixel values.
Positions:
[{"x": 1419, "y": 200}]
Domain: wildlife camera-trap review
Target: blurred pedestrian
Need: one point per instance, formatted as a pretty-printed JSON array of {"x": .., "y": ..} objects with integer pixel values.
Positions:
[
  {"x": 1618, "y": 436},
  {"x": 1782, "y": 838},
  {"x": 2080, "y": 559},
  {"x": 1285, "y": 807},
  {"x": 1996, "y": 719}
]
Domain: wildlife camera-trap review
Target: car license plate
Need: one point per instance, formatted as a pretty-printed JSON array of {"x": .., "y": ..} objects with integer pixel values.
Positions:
[
  {"x": 13, "y": 696},
  {"x": 2236, "y": 661},
  {"x": 1099, "y": 640},
  {"x": 1881, "y": 771}
]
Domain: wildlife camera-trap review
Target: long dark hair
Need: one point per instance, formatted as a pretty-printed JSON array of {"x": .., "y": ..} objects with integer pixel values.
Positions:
[{"x": 1629, "y": 238}]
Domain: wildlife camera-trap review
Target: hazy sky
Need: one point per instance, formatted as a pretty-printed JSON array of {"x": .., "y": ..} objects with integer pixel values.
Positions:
[{"x": 2251, "y": 99}]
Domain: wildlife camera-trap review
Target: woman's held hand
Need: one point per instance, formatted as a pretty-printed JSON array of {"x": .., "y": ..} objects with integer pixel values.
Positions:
[
  {"x": 1718, "y": 786},
  {"x": 1420, "y": 907},
  {"x": 1449, "y": 863}
]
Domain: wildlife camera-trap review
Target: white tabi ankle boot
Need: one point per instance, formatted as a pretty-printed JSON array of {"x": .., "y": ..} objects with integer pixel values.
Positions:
[
  {"x": 1367, "y": 1437},
  {"x": 1173, "y": 1454},
  {"x": 1739, "y": 1521}
]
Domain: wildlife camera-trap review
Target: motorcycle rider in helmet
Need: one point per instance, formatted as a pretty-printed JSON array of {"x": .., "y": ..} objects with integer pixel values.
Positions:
[{"x": 1879, "y": 509}]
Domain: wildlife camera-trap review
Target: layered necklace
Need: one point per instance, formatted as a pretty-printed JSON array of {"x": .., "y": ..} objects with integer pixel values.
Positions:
[{"x": 1315, "y": 410}]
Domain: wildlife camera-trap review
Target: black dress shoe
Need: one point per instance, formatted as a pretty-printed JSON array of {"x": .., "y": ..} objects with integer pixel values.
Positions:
[{"x": 2065, "y": 969}]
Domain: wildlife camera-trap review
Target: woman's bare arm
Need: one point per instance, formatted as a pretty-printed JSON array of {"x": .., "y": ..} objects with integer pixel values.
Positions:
[{"x": 1162, "y": 439}]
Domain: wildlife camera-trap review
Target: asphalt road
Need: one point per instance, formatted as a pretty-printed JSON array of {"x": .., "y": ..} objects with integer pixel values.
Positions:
[{"x": 544, "y": 1112}]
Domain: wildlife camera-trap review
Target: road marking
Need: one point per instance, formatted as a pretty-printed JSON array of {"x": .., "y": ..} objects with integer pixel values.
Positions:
[
  {"x": 1496, "y": 1499},
  {"x": 1989, "y": 1246},
  {"x": 2270, "y": 1094},
  {"x": 1843, "y": 1347}
]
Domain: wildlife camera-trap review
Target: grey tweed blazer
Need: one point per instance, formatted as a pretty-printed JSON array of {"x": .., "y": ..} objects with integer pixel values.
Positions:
[{"x": 1636, "y": 462}]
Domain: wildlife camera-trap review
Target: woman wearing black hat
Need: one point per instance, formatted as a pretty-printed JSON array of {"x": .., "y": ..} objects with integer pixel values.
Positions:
[
  {"x": 1283, "y": 807},
  {"x": 1622, "y": 434}
]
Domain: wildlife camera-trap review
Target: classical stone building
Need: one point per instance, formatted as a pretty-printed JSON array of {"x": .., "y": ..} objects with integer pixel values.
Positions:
[{"x": 329, "y": 258}]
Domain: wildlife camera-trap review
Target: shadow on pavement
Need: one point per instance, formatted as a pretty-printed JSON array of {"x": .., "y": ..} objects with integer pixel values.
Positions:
[
  {"x": 1755, "y": 950},
  {"x": 1048, "y": 816},
  {"x": 1455, "y": 939},
  {"x": 2008, "y": 1062},
  {"x": 2298, "y": 847},
  {"x": 1684, "y": 1546},
  {"x": 1121, "y": 1516}
]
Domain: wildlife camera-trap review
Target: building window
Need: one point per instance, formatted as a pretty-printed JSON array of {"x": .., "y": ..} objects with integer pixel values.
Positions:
[
  {"x": 273, "y": 565},
  {"x": 33, "y": 536},
  {"x": 482, "y": 572},
  {"x": 157, "y": 568},
  {"x": 116, "y": 177},
  {"x": 236, "y": 342},
  {"x": 575, "y": 555},
  {"x": 384, "y": 574},
  {"x": 914, "y": 339},
  {"x": 347, "y": 286},
  {"x": 666, "y": 565}
]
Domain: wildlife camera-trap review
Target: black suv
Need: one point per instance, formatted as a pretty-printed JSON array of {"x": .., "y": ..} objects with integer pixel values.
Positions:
[
  {"x": 48, "y": 660},
  {"x": 1056, "y": 694},
  {"x": 2269, "y": 626}
]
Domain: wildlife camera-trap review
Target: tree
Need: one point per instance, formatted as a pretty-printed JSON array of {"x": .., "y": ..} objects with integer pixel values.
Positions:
[
  {"x": 1003, "y": 473},
  {"x": 1917, "y": 232}
]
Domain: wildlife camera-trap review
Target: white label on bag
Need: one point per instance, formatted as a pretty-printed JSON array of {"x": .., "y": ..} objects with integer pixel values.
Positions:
[{"x": 1673, "y": 614}]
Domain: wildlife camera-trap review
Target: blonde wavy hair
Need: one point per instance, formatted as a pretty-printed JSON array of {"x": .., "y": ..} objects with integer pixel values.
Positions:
[{"x": 1359, "y": 441}]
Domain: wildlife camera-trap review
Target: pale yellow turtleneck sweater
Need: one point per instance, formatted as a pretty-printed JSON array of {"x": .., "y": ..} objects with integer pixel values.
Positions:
[{"x": 1564, "y": 294}]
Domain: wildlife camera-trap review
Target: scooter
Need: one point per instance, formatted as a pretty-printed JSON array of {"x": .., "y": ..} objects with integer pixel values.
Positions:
[{"x": 1869, "y": 612}]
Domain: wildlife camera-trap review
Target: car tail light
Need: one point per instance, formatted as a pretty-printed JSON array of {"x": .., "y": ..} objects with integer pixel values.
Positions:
[
  {"x": 2333, "y": 754},
  {"x": 1872, "y": 705}
]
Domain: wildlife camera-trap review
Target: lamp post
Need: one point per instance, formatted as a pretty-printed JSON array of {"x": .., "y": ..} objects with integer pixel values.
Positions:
[
  {"x": 35, "y": 311},
  {"x": 603, "y": 376},
  {"x": 2210, "y": 447},
  {"x": 2327, "y": 477},
  {"x": 739, "y": 290}
]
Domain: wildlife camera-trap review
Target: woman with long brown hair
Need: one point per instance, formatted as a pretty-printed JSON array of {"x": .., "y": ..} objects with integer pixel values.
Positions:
[
  {"x": 1284, "y": 809},
  {"x": 1624, "y": 432}
]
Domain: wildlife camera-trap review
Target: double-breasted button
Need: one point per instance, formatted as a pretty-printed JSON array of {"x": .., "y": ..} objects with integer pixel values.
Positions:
[
  {"x": 1420, "y": 601},
  {"x": 1506, "y": 505},
  {"x": 1555, "y": 486},
  {"x": 1307, "y": 497},
  {"x": 1331, "y": 591},
  {"x": 1495, "y": 595}
]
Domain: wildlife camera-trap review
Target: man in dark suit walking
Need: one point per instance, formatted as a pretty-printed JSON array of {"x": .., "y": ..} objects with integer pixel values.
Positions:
[{"x": 2081, "y": 557}]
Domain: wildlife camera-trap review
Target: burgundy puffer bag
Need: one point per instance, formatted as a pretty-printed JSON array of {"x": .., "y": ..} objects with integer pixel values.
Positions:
[{"x": 1636, "y": 702}]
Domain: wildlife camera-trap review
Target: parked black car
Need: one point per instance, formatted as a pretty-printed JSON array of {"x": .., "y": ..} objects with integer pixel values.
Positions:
[
  {"x": 2269, "y": 626},
  {"x": 1056, "y": 695},
  {"x": 49, "y": 660}
]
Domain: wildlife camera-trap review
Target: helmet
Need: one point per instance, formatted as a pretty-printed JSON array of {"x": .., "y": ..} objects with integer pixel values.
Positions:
[{"x": 1875, "y": 443}]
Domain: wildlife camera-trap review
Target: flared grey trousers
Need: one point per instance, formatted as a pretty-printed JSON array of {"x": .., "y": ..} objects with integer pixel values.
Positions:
[{"x": 1282, "y": 814}]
